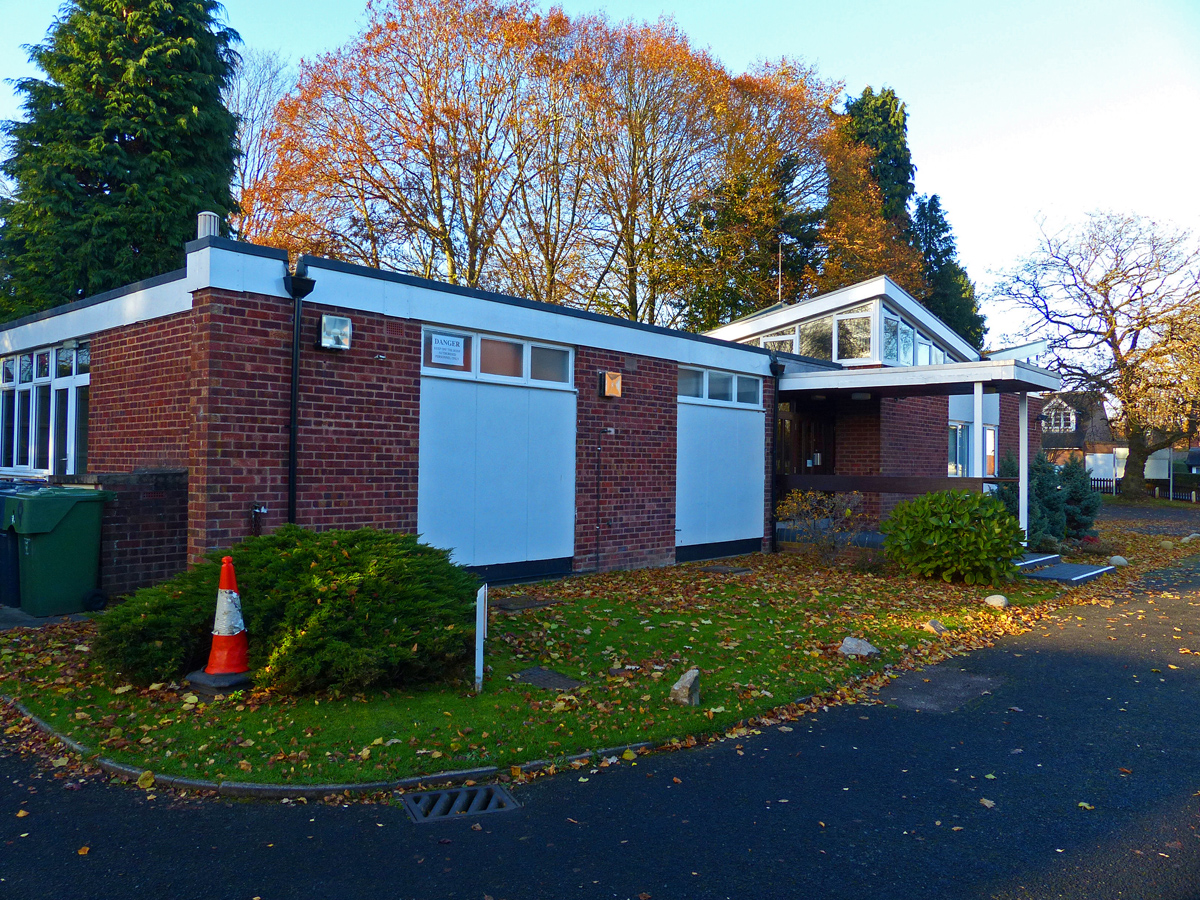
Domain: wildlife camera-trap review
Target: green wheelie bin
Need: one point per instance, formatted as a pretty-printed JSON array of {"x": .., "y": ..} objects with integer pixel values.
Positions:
[{"x": 58, "y": 548}]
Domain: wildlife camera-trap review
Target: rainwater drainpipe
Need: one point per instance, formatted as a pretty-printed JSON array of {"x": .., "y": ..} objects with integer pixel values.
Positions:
[
  {"x": 298, "y": 286},
  {"x": 776, "y": 370}
]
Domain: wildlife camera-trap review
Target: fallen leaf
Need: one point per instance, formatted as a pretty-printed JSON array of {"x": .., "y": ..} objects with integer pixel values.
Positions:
[
  {"x": 436, "y": 754},
  {"x": 628, "y": 754},
  {"x": 643, "y": 896},
  {"x": 157, "y": 686},
  {"x": 957, "y": 828},
  {"x": 22, "y": 813},
  {"x": 784, "y": 728},
  {"x": 60, "y": 762},
  {"x": 477, "y": 827},
  {"x": 123, "y": 688},
  {"x": 377, "y": 741},
  {"x": 677, "y": 781},
  {"x": 990, "y": 777},
  {"x": 190, "y": 698},
  {"x": 1083, "y": 805},
  {"x": 83, "y": 851},
  {"x": 990, "y": 804},
  {"x": 146, "y": 780},
  {"x": 365, "y": 753}
]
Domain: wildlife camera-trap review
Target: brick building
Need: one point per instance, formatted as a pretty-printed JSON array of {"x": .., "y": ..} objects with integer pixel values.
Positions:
[{"x": 530, "y": 439}]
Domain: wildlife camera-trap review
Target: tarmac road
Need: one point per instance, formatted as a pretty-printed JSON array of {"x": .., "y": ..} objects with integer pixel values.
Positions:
[{"x": 859, "y": 801}]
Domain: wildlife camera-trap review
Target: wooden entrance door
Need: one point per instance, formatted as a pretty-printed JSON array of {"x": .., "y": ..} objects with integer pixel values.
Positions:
[{"x": 805, "y": 435}]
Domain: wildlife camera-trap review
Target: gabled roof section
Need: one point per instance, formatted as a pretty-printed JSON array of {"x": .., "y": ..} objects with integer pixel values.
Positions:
[{"x": 780, "y": 316}]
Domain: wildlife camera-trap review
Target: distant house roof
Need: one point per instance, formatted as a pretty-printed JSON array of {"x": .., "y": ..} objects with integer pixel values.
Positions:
[{"x": 1085, "y": 410}]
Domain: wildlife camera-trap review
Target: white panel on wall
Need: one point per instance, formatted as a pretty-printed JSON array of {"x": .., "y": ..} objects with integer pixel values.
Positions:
[
  {"x": 962, "y": 408},
  {"x": 719, "y": 474},
  {"x": 496, "y": 481}
]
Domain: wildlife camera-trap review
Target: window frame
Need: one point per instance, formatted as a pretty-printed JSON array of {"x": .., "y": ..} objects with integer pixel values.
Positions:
[
  {"x": 38, "y": 388},
  {"x": 705, "y": 400},
  {"x": 959, "y": 467},
  {"x": 857, "y": 312},
  {"x": 474, "y": 372}
]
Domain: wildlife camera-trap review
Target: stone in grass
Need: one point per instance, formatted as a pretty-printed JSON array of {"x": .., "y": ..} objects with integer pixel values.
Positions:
[
  {"x": 1167, "y": 545},
  {"x": 852, "y": 646},
  {"x": 686, "y": 691},
  {"x": 1191, "y": 537},
  {"x": 933, "y": 626},
  {"x": 999, "y": 601},
  {"x": 1118, "y": 561}
]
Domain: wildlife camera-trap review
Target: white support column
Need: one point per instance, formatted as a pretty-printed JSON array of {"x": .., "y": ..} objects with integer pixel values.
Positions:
[
  {"x": 977, "y": 443},
  {"x": 1023, "y": 456}
]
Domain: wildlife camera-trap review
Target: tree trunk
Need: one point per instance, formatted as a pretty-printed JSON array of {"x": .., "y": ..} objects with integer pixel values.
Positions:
[{"x": 1133, "y": 483}]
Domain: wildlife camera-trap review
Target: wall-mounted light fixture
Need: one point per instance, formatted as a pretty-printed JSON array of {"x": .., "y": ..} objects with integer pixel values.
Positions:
[
  {"x": 610, "y": 384},
  {"x": 335, "y": 333},
  {"x": 860, "y": 396}
]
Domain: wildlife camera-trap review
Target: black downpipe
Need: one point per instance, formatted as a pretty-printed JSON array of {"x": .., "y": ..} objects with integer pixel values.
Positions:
[
  {"x": 299, "y": 287},
  {"x": 776, "y": 370}
]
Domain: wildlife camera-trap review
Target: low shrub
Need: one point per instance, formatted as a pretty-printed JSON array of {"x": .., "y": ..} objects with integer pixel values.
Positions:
[
  {"x": 825, "y": 520},
  {"x": 341, "y": 610},
  {"x": 954, "y": 534}
]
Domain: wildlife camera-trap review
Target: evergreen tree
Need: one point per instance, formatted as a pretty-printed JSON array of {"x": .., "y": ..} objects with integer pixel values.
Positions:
[
  {"x": 1080, "y": 502},
  {"x": 879, "y": 121},
  {"x": 1047, "y": 500},
  {"x": 950, "y": 294},
  {"x": 122, "y": 144}
]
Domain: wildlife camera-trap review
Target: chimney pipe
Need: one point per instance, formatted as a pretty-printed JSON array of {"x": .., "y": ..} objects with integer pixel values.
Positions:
[{"x": 208, "y": 224}]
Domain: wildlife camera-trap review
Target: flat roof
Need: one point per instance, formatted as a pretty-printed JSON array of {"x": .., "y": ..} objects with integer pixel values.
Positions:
[{"x": 997, "y": 376}]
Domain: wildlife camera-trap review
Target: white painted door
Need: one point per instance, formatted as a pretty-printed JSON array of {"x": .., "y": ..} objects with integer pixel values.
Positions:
[
  {"x": 496, "y": 479},
  {"x": 720, "y": 474}
]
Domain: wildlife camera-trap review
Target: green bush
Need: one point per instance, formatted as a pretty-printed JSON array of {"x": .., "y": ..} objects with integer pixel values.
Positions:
[
  {"x": 1080, "y": 502},
  {"x": 954, "y": 534},
  {"x": 1047, "y": 515},
  {"x": 338, "y": 610}
]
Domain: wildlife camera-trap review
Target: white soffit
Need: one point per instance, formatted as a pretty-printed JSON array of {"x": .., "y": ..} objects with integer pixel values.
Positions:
[{"x": 945, "y": 379}]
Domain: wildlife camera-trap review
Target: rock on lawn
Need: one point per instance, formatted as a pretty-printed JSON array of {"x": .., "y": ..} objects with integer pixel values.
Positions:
[
  {"x": 686, "y": 691},
  {"x": 1118, "y": 561},
  {"x": 852, "y": 646},
  {"x": 999, "y": 601}
]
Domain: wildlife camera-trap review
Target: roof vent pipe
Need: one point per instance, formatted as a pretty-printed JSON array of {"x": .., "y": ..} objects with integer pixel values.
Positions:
[{"x": 208, "y": 224}]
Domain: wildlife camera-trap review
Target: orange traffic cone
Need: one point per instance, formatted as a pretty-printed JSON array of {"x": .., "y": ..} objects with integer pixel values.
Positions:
[
  {"x": 230, "y": 647},
  {"x": 227, "y": 660}
]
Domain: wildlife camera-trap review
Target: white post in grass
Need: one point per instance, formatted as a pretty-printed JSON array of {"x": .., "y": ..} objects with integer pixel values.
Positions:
[
  {"x": 481, "y": 619},
  {"x": 977, "y": 437},
  {"x": 1023, "y": 456}
]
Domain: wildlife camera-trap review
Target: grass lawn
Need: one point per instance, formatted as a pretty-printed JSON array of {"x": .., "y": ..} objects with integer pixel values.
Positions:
[{"x": 761, "y": 641}]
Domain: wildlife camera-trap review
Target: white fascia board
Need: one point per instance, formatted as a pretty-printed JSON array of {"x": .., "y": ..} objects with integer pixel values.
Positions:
[
  {"x": 1027, "y": 351},
  {"x": 136, "y": 306},
  {"x": 964, "y": 374},
  {"x": 231, "y": 270},
  {"x": 790, "y": 315},
  {"x": 335, "y": 287},
  {"x": 825, "y": 304}
]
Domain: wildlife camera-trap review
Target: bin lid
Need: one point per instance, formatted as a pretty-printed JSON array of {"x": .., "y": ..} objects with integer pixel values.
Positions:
[{"x": 39, "y": 511}]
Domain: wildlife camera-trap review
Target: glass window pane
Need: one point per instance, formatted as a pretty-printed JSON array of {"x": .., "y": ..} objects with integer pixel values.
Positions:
[
  {"x": 64, "y": 363},
  {"x": 952, "y": 453},
  {"x": 907, "y": 339},
  {"x": 720, "y": 386},
  {"x": 747, "y": 390},
  {"x": 9, "y": 370},
  {"x": 854, "y": 338},
  {"x": 41, "y": 455},
  {"x": 27, "y": 368},
  {"x": 24, "y": 403},
  {"x": 939, "y": 356},
  {"x": 891, "y": 338},
  {"x": 782, "y": 341},
  {"x": 922, "y": 354},
  {"x": 964, "y": 449},
  {"x": 442, "y": 351},
  {"x": 691, "y": 383},
  {"x": 8, "y": 418},
  {"x": 548, "y": 364},
  {"x": 43, "y": 364},
  {"x": 83, "y": 359},
  {"x": 991, "y": 451},
  {"x": 61, "y": 399},
  {"x": 816, "y": 339},
  {"x": 81, "y": 429},
  {"x": 855, "y": 310},
  {"x": 501, "y": 358}
]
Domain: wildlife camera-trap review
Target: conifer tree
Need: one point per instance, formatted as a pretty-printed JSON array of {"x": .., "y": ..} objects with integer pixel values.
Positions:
[{"x": 122, "y": 144}]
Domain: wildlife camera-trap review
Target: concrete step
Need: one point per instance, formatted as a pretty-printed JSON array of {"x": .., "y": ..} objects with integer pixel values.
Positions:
[
  {"x": 1068, "y": 573},
  {"x": 1037, "y": 560}
]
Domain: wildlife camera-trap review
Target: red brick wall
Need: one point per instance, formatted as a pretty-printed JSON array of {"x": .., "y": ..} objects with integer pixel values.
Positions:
[
  {"x": 634, "y": 522},
  {"x": 140, "y": 405},
  {"x": 856, "y": 443},
  {"x": 358, "y": 421},
  {"x": 913, "y": 441}
]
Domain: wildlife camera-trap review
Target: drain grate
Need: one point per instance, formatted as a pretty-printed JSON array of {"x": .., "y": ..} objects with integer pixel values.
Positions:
[{"x": 426, "y": 806}]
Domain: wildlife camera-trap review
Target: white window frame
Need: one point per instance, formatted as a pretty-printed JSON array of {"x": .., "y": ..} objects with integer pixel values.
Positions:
[
  {"x": 869, "y": 315},
  {"x": 474, "y": 374},
  {"x": 1065, "y": 416},
  {"x": 70, "y": 383},
  {"x": 734, "y": 403},
  {"x": 961, "y": 467}
]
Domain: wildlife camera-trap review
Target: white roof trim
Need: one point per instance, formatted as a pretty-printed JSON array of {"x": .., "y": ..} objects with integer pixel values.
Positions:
[
  {"x": 963, "y": 375},
  {"x": 881, "y": 287}
]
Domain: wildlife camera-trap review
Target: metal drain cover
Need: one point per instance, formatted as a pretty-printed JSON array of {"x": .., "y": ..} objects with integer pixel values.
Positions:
[
  {"x": 426, "y": 806},
  {"x": 539, "y": 676}
]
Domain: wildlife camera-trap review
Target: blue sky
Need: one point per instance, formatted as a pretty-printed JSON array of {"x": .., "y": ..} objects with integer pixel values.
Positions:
[{"x": 1017, "y": 110}]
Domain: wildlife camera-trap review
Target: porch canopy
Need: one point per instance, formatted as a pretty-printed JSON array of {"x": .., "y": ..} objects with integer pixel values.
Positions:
[{"x": 1004, "y": 376}]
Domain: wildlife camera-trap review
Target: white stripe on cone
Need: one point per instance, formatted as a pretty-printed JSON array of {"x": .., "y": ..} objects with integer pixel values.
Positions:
[{"x": 229, "y": 613}]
